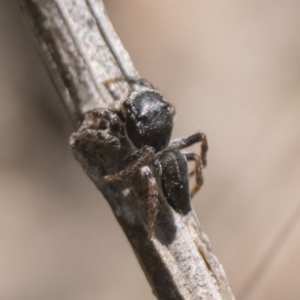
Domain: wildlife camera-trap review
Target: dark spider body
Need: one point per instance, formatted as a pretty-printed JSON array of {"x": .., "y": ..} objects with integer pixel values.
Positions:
[
  {"x": 148, "y": 127},
  {"x": 173, "y": 171}
]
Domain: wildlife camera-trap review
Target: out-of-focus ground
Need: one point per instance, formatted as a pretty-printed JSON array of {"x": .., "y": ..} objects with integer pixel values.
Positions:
[{"x": 232, "y": 68}]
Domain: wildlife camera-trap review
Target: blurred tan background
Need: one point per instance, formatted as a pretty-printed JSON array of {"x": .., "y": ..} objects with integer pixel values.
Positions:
[{"x": 231, "y": 68}]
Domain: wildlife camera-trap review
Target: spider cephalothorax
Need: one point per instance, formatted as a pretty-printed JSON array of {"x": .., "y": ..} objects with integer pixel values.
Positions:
[{"x": 148, "y": 119}]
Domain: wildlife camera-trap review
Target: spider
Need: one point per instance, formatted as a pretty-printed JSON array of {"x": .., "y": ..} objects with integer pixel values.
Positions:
[{"x": 145, "y": 118}]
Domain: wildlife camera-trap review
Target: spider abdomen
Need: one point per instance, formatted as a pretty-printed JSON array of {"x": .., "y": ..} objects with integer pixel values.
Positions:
[{"x": 174, "y": 180}]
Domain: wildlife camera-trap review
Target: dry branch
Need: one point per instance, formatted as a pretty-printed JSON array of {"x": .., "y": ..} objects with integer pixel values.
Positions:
[{"x": 81, "y": 51}]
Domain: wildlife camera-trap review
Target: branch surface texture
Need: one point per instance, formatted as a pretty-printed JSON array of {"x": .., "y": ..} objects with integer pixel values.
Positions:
[{"x": 82, "y": 51}]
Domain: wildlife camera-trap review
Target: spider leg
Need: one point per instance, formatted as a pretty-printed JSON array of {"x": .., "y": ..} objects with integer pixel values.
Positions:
[
  {"x": 104, "y": 137},
  {"x": 184, "y": 142},
  {"x": 115, "y": 123},
  {"x": 131, "y": 80},
  {"x": 192, "y": 173},
  {"x": 135, "y": 155},
  {"x": 198, "y": 171},
  {"x": 152, "y": 199},
  {"x": 143, "y": 157}
]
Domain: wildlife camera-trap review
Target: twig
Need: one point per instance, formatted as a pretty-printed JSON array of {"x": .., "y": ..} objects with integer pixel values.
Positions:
[{"x": 81, "y": 51}]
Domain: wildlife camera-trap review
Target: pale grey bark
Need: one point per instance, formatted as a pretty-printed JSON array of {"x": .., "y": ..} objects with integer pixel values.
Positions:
[{"x": 81, "y": 51}]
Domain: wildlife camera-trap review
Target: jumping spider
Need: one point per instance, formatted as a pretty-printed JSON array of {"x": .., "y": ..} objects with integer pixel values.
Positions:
[{"x": 146, "y": 120}]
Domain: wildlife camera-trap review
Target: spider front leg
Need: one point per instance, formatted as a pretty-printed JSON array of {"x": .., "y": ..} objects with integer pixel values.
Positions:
[
  {"x": 152, "y": 199},
  {"x": 143, "y": 157},
  {"x": 94, "y": 128},
  {"x": 113, "y": 121},
  {"x": 86, "y": 135},
  {"x": 185, "y": 142},
  {"x": 198, "y": 170}
]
